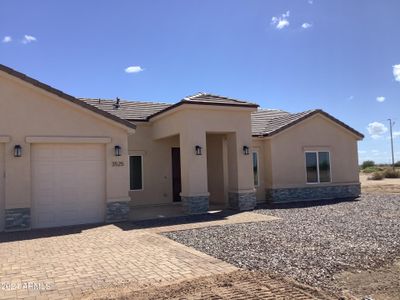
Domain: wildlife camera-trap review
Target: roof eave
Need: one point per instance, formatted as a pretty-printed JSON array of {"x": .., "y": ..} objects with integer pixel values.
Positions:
[
  {"x": 180, "y": 103},
  {"x": 359, "y": 135},
  {"x": 62, "y": 95}
]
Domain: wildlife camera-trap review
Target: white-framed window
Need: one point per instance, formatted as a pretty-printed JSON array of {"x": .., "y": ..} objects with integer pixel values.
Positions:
[
  {"x": 136, "y": 172},
  {"x": 256, "y": 172},
  {"x": 318, "y": 166}
]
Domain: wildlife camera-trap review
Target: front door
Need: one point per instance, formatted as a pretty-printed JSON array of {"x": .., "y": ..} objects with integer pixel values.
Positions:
[{"x": 176, "y": 174}]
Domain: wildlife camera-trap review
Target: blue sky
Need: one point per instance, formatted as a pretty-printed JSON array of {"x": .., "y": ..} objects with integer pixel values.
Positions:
[{"x": 288, "y": 54}]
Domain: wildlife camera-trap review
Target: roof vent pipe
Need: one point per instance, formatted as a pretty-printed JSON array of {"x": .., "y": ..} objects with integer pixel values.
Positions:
[{"x": 117, "y": 104}]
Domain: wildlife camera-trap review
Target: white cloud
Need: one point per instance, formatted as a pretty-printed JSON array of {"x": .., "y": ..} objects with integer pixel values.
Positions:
[
  {"x": 281, "y": 21},
  {"x": 362, "y": 152},
  {"x": 306, "y": 25},
  {"x": 28, "y": 39},
  {"x": 396, "y": 72},
  {"x": 376, "y": 129},
  {"x": 375, "y": 152},
  {"x": 380, "y": 99},
  {"x": 7, "y": 39},
  {"x": 134, "y": 69},
  {"x": 396, "y": 134}
]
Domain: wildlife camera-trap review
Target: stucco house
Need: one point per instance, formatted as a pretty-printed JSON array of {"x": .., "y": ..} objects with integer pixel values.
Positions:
[{"x": 67, "y": 161}]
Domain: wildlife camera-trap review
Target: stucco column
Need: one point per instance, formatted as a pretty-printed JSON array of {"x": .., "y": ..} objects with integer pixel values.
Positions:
[
  {"x": 241, "y": 182},
  {"x": 194, "y": 171}
]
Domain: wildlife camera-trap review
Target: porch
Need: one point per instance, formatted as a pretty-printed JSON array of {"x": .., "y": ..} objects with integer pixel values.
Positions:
[{"x": 202, "y": 158}]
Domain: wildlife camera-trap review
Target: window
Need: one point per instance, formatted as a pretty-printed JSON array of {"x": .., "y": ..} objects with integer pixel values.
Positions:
[
  {"x": 255, "y": 168},
  {"x": 136, "y": 172},
  {"x": 318, "y": 167}
]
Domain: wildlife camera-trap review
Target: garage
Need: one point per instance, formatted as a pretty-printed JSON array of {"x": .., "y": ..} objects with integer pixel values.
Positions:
[
  {"x": 1, "y": 186},
  {"x": 68, "y": 184}
]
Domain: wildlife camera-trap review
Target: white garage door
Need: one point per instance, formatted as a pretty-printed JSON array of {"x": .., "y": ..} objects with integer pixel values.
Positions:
[
  {"x": 68, "y": 184},
  {"x": 1, "y": 187}
]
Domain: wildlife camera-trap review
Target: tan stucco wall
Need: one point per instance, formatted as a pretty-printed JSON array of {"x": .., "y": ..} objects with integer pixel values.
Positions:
[
  {"x": 217, "y": 168},
  {"x": 27, "y": 111},
  {"x": 157, "y": 166},
  {"x": 287, "y": 149},
  {"x": 192, "y": 123},
  {"x": 225, "y": 130}
]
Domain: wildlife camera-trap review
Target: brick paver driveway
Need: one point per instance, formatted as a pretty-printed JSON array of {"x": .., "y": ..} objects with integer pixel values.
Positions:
[{"x": 66, "y": 263}]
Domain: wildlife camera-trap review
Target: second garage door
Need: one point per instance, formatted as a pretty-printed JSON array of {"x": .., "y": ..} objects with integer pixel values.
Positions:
[{"x": 68, "y": 184}]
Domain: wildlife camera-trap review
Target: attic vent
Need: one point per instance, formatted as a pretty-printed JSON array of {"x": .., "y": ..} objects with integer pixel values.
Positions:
[{"x": 117, "y": 104}]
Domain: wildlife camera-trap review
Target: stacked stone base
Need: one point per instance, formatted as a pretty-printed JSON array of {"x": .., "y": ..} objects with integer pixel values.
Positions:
[
  {"x": 17, "y": 219},
  {"x": 242, "y": 201},
  {"x": 282, "y": 195},
  {"x": 117, "y": 211},
  {"x": 195, "y": 204}
]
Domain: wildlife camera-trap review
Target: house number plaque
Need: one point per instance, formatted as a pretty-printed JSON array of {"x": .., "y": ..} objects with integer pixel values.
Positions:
[{"x": 118, "y": 164}]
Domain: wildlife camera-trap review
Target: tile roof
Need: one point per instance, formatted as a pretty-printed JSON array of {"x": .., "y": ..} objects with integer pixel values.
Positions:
[
  {"x": 64, "y": 96},
  {"x": 143, "y": 111},
  {"x": 204, "y": 98},
  {"x": 267, "y": 122},
  {"x": 128, "y": 110}
]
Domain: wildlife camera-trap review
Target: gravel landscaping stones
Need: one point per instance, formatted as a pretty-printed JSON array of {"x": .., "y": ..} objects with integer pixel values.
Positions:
[{"x": 311, "y": 242}]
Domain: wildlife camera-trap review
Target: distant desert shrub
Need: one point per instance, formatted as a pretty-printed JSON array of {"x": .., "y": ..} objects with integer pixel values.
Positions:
[
  {"x": 372, "y": 169},
  {"x": 367, "y": 163},
  {"x": 376, "y": 176},
  {"x": 397, "y": 164},
  {"x": 390, "y": 173}
]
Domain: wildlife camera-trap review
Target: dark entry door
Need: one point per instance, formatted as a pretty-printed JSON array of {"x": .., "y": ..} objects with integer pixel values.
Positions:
[{"x": 176, "y": 174}]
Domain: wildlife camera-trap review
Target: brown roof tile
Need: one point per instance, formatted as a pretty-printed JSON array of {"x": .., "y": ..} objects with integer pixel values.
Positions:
[
  {"x": 267, "y": 122},
  {"x": 128, "y": 110},
  {"x": 204, "y": 98},
  {"x": 143, "y": 111}
]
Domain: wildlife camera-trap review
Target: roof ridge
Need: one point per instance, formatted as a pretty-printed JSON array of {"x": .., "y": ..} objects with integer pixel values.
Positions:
[
  {"x": 215, "y": 95},
  {"x": 123, "y": 100},
  {"x": 194, "y": 95}
]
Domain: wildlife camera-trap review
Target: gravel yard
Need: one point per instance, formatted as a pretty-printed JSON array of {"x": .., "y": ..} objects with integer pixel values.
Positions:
[{"x": 312, "y": 243}]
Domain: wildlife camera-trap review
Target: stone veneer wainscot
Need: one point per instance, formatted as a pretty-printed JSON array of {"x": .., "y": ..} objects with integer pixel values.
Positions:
[
  {"x": 195, "y": 204},
  {"x": 313, "y": 193},
  {"x": 17, "y": 219},
  {"x": 242, "y": 201},
  {"x": 117, "y": 211}
]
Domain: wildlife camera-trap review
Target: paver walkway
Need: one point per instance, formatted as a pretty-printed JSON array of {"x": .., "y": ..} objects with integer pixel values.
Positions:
[
  {"x": 65, "y": 266},
  {"x": 68, "y": 262}
]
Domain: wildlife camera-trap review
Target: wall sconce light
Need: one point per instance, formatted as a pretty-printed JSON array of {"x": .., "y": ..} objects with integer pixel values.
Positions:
[
  {"x": 117, "y": 150},
  {"x": 198, "y": 150},
  {"x": 246, "y": 150},
  {"x": 17, "y": 151}
]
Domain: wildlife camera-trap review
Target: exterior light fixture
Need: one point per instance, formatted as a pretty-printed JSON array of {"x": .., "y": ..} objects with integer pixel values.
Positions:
[
  {"x": 246, "y": 150},
  {"x": 198, "y": 149},
  {"x": 117, "y": 150},
  {"x": 17, "y": 151}
]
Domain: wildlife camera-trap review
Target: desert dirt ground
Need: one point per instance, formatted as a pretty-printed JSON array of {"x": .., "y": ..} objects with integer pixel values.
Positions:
[
  {"x": 387, "y": 185},
  {"x": 238, "y": 285}
]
